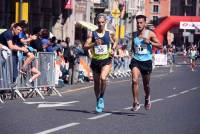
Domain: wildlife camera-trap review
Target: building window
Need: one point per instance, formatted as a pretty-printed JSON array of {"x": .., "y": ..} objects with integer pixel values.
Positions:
[
  {"x": 154, "y": 1},
  {"x": 155, "y": 9},
  {"x": 155, "y": 20}
]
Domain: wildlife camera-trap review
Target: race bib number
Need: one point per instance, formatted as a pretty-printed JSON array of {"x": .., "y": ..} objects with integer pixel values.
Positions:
[
  {"x": 141, "y": 49},
  {"x": 101, "y": 49}
]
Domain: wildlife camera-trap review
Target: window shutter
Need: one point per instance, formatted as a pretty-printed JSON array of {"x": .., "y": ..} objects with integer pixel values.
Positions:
[
  {"x": 158, "y": 9},
  {"x": 152, "y": 8}
]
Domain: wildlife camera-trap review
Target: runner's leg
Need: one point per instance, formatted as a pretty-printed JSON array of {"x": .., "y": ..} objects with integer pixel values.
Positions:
[
  {"x": 104, "y": 74},
  {"x": 135, "y": 84},
  {"x": 96, "y": 77},
  {"x": 146, "y": 80}
]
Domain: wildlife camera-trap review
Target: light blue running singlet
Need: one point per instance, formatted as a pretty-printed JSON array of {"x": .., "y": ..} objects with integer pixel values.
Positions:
[{"x": 143, "y": 52}]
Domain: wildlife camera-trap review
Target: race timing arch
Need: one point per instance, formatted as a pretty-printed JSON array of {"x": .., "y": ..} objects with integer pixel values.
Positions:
[{"x": 170, "y": 22}]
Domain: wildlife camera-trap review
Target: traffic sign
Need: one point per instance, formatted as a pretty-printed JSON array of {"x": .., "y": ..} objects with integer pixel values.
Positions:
[{"x": 116, "y": 13}]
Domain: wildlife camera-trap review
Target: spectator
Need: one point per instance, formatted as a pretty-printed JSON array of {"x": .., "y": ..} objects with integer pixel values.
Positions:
[
  {"x": 9, "y": 39},
  {"x": 37, "y": 43},
  {"x": 69, "y": 58},
  {"x": 45, "y": 40},
  {"x": 24, "y": 40}
]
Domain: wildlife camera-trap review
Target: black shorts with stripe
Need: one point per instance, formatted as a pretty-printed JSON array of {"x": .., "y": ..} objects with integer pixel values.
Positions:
[
  {"x": 145, "y": 67},
  {"x": 97, "y": 65}
]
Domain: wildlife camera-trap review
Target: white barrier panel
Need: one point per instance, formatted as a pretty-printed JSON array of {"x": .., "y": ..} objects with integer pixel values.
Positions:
[{"x": 160, "y": 59}]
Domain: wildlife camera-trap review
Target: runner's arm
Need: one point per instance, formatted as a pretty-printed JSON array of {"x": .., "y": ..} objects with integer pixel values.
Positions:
[
  {"x": 114, "y": 42},
  {"x": 88, "y": 44},
  {"x": 154, "y": 40},
  {"x": 132, "y": 44}
]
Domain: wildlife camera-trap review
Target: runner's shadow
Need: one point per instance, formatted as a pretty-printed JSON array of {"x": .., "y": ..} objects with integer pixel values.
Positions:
[
  {"x": 94, "y": 112},
  {"x": 77, "y": 110},
  {"x": 125, "y": 113}
]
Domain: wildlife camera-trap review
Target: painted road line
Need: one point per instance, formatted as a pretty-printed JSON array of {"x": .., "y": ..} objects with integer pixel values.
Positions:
[
  {"x": 171, "y": 96},
  {"x": 58, "y": 128},
  {"x": 99, "y": 116},
  {"x": 161, "y": 99},
  {"x": 194, "y": 88},
  {"x": 183, "y": 92},
  {"x": 129, "y": 108},
  {"x": 157, "y": 100},
  {"x": 60, "y": 104}
]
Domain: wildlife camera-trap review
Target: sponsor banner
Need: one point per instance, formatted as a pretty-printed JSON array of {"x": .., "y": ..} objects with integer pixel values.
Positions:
[
  {"x": 189, "y": 25},
  {"x": 96, "y": 1},
  {"x": 160, "y": 59}
]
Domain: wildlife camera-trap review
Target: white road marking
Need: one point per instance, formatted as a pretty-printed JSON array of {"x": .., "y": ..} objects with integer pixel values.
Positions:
[
  {"x": 99, "y": 116},
  {"x": 173, "y": 95},
  {"x": 58, "y": 128},
  {"x": 183, "y": 92},
  {"x": 157, "y": 100},
  {"x": 194, "y": 88},
  {"x": 56, "y": 104},
  {"x": 51, "y": 104},
  {"x": 128, "y": 108},
  {"x": 37, "y": 102}
]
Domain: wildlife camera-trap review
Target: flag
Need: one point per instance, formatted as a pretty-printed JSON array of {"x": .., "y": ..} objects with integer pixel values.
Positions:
[{"x": 68, "y": 4}]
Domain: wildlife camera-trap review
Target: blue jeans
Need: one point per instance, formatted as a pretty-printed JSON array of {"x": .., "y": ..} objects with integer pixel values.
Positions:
[{"x": 15, "y": 67}]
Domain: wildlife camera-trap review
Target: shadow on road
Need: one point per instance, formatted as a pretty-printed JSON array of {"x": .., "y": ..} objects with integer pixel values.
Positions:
[
  {"x": 94, "y": 112},
  {"x": 77, "y": 110}
]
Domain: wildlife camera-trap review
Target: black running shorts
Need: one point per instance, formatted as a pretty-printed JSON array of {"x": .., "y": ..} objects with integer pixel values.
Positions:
[
  {"x": 145, "y": 67},
  {"x": 97, "y": 65}
]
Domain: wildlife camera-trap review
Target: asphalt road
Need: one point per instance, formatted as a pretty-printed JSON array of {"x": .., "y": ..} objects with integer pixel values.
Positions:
[{"x": 175, "y": 108}]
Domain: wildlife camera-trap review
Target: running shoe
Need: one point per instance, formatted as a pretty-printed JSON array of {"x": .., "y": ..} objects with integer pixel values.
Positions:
[
  {"x": 136, "y": 107},
  {"x": 101, "y": 103},
  {"x": 98, "y": 109},
  {"x": 147, "y": 103}
]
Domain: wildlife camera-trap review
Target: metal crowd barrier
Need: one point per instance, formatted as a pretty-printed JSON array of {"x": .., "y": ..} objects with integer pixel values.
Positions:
[
  {"x": 45, "y": 62},
  {"x": 6, "y": 75},
  {"x": 120, "y": 71},
  {"x": 120, "y": 68},
  {"x": 46, "y": 65}
]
